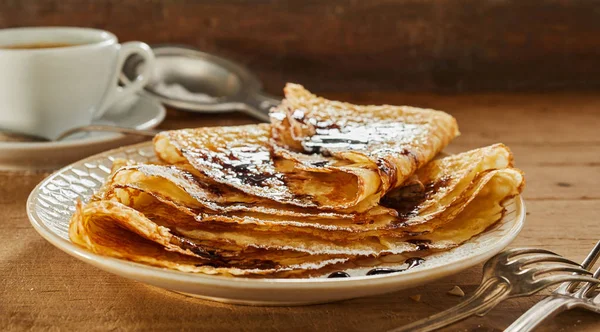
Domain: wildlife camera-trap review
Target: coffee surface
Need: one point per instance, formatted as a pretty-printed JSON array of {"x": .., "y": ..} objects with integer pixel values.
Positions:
[{"x": 32, "y": 46}]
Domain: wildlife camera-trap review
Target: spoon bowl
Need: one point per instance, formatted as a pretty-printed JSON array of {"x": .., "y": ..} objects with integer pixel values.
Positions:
[{"x": 187, "y": 79}]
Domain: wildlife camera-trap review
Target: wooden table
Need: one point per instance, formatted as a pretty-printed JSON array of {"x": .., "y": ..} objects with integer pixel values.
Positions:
[{"x": 555, "y": 139}]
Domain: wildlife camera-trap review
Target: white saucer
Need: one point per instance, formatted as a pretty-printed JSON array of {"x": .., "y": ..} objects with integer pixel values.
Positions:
[{"x": 141, "y": 112}]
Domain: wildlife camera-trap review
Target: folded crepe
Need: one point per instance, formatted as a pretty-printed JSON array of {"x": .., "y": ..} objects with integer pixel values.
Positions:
[
  {"x": 433, "y": 189},
  {"x": 461, "y": 196},
  {"x": 396, "y": 140},
  {"x": 363, "y": 151},
  {"x": 326, "y": 185}
]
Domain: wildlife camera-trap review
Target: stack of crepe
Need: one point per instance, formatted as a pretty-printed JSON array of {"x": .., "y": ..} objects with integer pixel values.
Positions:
[{"x": 324, "y": 185}]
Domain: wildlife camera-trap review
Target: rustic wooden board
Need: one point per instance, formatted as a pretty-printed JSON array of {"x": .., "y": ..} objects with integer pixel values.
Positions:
[
  {"x": 341, "y": 45},
  {"x": 555, "y": 139}
]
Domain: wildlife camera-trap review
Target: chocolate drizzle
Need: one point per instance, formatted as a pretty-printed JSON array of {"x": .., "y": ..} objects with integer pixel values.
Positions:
[
  {"x": 320, "y": 144},
  {"x": 186, "y": 244},
  {"x": 216, "y": 259},
  {"x": 406, "y": 200},
  {"x": 412, "y": 262},
  {"x": 421, "y": 244},
  {"x": 338, "y": 274},
  {"x": 232, "y": 165},
  {"x": 382, "y": 270},
  {"x": 319, "y": 163},
  {"x": 249, "y": 176},
  {"x": 357, "y": 135}
]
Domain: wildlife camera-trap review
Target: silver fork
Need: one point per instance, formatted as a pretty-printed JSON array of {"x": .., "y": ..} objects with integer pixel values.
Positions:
[
  {"x": 507, "y": 275},
  {"x": 567, "y": 296}
]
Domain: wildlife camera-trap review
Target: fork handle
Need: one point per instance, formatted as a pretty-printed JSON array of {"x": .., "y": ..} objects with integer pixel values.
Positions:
[
  {"x": 546, "y": 308},
  {"x": 491, "y": 292}
]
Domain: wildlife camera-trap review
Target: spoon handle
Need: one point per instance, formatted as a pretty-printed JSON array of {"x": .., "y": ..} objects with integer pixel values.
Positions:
[
  {"x": 112, "y": 129},
  {"x": 259, "y": 104}
]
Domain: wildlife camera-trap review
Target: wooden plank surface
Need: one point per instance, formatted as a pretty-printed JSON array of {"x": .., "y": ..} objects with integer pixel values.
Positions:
[
  {"x": 556, "y": 141},
  {"x": 341, "y": 45}
]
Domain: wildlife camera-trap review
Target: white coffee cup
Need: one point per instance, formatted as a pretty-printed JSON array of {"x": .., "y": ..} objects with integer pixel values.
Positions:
[{"x": 47, "y": 90}]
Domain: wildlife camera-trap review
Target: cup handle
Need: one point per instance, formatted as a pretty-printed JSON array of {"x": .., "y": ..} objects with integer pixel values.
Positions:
[{"x": 115, "y": 92}]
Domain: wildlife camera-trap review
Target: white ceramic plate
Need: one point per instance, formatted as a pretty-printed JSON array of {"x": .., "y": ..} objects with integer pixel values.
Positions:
[
  {"x": 137, "y": 112},
  {"x": 51, "y": 204}
]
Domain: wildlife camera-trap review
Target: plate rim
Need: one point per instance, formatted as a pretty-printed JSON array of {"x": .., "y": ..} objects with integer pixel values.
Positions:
[{"x": 135, "y": 270}]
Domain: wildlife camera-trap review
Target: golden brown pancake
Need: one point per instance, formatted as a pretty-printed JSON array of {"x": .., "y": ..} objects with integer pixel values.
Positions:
[
  {"x": 396, "y": 139},
  {"x": 441, "y": 185},
  {"x": 394, "y": 142},
  {"x": 242, "y": 158},
  {"x": 467, "y": 180},
  {"x": 326, "y": 185},
  {"x": 111, "y": 228}
]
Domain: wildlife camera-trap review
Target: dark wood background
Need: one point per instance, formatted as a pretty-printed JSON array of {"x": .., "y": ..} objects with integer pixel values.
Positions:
[{"x": 426, "y": 45}]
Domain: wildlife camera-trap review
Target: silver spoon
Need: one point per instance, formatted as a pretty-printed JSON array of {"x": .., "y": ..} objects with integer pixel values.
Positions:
[
  {"x": 90, "y": 128},
  {"x": 224, "y": 85}
]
